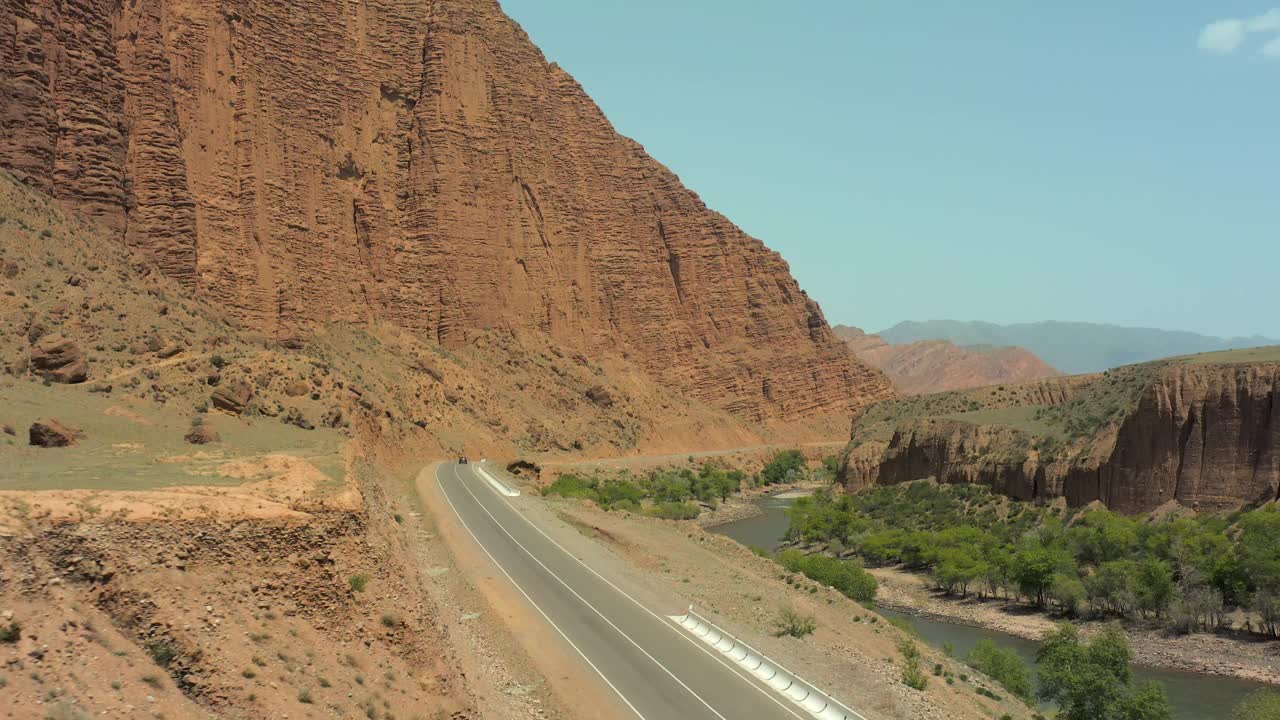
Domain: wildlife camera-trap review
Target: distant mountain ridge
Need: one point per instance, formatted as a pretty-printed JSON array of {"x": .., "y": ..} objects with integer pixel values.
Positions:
[
  {"x": 1072, "y": 347},
  {"x": 932, "y": 366}
]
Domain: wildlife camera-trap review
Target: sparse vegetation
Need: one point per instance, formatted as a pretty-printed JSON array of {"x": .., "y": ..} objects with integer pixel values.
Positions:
[
  {"x": 162, "y": 651},
  {"x": 791, "y": 623},
  {"x": 10, "y": 633},
  {"x": 912, "y": 676},
  {"x": 358, "y": 582}
]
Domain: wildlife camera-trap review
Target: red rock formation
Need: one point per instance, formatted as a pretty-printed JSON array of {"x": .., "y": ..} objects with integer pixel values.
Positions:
[
  {"x": 1207, "y": 436},
  {"x": 933, "y": 366},
  {"x": 416, "y": 161}
]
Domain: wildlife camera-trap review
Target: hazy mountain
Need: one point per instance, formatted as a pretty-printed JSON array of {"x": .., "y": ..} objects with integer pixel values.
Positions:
[
  {"x": 932, "y": 366},
  {"x": 1073, "y": 347}
]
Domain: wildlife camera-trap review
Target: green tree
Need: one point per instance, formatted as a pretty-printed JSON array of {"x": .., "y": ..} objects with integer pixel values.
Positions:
[
  {"x": 786, "y": 466},
  {"x": 1094, "y": 680},
  {"x": 1033, "y": 570},
  {"x": 1154, "y": 588},
  {"x": 1068, "y": 592}
]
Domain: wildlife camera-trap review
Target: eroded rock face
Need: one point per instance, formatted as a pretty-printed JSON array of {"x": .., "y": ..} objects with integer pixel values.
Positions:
[
  {"x": 59, "y": 360},
  {"x": 1207, "y": 436},
  {"x": 414, "y": 161},
  {"x": 50, "y": 433}
]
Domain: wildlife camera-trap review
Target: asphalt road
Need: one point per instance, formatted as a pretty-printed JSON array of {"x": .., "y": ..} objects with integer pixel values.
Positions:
[{"x": 655, "y": 667}]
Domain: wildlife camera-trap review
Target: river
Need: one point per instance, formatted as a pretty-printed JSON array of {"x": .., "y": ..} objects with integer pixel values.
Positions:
[{"x": 1194, "y": 696}]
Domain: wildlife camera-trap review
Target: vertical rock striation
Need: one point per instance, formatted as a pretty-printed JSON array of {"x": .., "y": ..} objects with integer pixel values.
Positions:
[{"x": 417, "y": 161}]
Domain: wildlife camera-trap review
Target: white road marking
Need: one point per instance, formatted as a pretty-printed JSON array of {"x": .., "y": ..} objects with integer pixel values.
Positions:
[
  {"x": 666, "y": 622},
  {"x": 587, "y": 603},
  {"x": 531, "y": 600}
]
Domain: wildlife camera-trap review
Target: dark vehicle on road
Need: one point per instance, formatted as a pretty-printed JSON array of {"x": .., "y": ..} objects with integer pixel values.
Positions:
[{"x": 462, "y": 460}]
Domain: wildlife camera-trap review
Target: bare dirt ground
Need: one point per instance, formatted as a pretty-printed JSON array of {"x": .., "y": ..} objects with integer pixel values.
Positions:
[
  {"x": 288, "y": 595},
  {"x": 670, "y": 565},
  {"x": 1212, "y": 654}
]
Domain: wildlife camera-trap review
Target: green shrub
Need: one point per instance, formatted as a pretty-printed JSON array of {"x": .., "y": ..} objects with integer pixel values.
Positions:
[
  {"x": 786, "y": 466},
  {"x": 358, "y": 582},
  {"x": 12, "y": 633},
  {"x": 162, "y": 651},
  {"x": 846, "y": 576},
  {"x": 572, "y": 486},
  {"x": 793, "y": 624},
  {"x": 1002, "y": 665},
  {"x": 912, "y": 676},
  {"x": 1258, "y": 705}
]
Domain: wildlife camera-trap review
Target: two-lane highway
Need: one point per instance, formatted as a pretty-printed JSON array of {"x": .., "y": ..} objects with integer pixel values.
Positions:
[{"x": 655, "y": 668}]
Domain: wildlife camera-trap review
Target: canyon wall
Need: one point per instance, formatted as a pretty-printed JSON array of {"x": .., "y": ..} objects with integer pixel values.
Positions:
[
  {"x": 1205, "y": 435},
  {"x": 416, "y": 161}
]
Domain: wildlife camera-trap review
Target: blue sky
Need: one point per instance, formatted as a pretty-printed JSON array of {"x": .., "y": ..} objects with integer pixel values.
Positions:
[{"x": 1009, "y": 162}]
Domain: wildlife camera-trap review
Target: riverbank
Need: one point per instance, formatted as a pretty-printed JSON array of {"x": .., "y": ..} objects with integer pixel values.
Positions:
[
  {"x": 746, "y": 504},
  {"x": 1241, "y": 655}
]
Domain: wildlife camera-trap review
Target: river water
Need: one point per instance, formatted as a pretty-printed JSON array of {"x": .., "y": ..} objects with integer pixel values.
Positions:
[{"x": 1194, "y": 696}]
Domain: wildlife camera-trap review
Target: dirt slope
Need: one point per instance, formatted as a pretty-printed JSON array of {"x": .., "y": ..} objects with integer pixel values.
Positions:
[
  {"x": 931, "y": 366},
  {"x": 418, "y": 162}
]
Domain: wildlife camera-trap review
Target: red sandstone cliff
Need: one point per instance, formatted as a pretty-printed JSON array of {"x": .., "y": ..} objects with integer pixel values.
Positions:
[
  {"x": 933, "y": 366},
  {"x": 416, "y": 161},
  {"x": 1206, "y": 435}
]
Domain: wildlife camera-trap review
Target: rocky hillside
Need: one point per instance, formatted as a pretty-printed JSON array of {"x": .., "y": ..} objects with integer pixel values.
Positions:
[
  {"x": 1203, "y": 431},
  {"x": 415, "y": 162},
  {"x": 931, "y": 366}
]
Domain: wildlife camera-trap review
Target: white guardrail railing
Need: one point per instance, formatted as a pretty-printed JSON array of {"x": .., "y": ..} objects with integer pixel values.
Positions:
[
  {"x": 495, "y": 483},
  {"x": 791, "y": 686}
]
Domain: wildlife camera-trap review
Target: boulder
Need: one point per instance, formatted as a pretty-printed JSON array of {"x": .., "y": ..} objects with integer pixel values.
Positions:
[
  {"x": 297, "y": 388},
  {"x": 59, "y": 360},
  {"x": 600, "y": 396},
  {"x": 51, "y": 433},
  {"x": 202, "y": 434},
  {"x": 169, "y": 349},
  {"x": 8, "y": 429},
  {"x": 293, "y": 416},
  {"x": 233, "y": 398},
  {"x": 333, "y": 418}
]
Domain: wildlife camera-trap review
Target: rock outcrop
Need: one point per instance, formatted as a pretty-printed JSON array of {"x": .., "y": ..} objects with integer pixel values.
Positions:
[
  {"x": 233, "y": 398},
  {"x": 59, "y": 360},
  {"x": 1204, "y": 434},
  {"x": 932, "y": 366},
  {"x": 50, "y": 433},
  {"x": 415, "y": 161}
]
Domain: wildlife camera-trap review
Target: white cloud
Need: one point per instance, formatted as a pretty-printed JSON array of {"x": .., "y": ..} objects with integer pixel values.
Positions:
[
  {"x": 1225, "y": 36},
  {"x": 1268, "y": 21}
]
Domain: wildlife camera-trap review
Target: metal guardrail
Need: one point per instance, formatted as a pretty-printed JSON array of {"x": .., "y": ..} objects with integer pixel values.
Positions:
[
  {"x": 501, "y": 487},
  {"x": 791, "y": 686}
]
